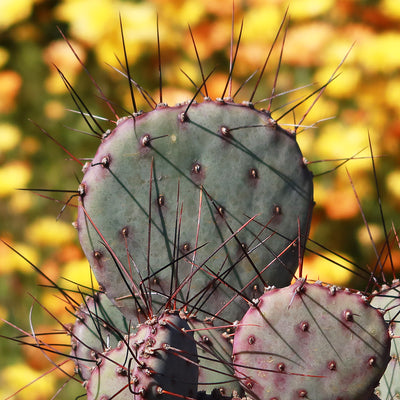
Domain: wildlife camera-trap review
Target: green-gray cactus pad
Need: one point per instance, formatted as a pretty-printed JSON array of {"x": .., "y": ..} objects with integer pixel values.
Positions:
[
  {"x": 98, "y": 328},
  {"x": 310, "y": 341},
  {"x": 214, "y": 349},
  {"x": 158, "y": 362},
  {"x": 167, "y": 206},
  {"x": 388, "y": 301}
]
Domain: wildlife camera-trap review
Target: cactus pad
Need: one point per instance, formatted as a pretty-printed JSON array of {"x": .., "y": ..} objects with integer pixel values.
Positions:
[
  {"x": 167, "y": 206},
  {"x": 388, "y": 301},
  {"x": 214, "y": 349},
  {"x": 98, "y": 328},
  {"x": 157, "y": 362},
  {"x": 310, "y": 341}
]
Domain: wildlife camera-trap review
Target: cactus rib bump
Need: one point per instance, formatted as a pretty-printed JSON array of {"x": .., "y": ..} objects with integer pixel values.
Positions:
[
  {"x": 159, "y": 359},
  {"x": 99, "y": 327}
]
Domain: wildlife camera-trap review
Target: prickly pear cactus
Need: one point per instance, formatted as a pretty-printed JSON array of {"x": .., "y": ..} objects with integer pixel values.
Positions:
[
  {"x": 214, "y": 349},
  {"x": 159, "y": 361},
  {"x": 311, "y": 341},
  {"x": 202, "y": 203},
  {"x": 388, "y": 301},
  {"x": 98, "y": 328}
]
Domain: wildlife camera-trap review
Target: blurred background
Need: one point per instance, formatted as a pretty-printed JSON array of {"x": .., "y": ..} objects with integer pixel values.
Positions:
[{"x": 364, "y": 100}]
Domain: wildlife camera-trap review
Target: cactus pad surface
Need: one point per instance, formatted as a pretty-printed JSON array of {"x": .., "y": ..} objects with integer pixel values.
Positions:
[
  {"x": 98, "y": 328},
  {"x": 159, "y": 362},
  {"x": 310, "y": 341},
  {"x": 214, "y": 349},
  {"x": 204, "y": 205},
  {"x": 388, "y": 301}
]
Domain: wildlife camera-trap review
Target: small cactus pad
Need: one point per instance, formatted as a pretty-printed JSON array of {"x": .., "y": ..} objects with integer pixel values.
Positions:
[
  {"x": 311, "y": 341},
  {"x": 388, "y": 301},
  {"x": 204, "y": 204},
  {"x": 158, "y": 362},
  {"x": 214, "y": 349},
  {"x": 99, "y": 327}
]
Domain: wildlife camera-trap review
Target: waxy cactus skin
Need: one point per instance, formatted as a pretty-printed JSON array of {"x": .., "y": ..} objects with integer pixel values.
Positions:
[
  {"x": 310, "y": 341},
  {"x": 98, "y": 328},
  {"x": 210, "y": 199},
  {"x": 214, "y": 349},
  {"x": 388, "y": 301},
  {"x": 159, "y": 361},
  {"x": 200, "y": 214}
]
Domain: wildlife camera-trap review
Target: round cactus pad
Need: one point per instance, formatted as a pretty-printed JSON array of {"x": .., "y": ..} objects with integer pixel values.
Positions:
[
  {"x": 310, "y": 341},
  {"x": 388, "y": 301},
  {"x": 99, "y": 327},
  {"x": 214, "y": 349},
  {"x": 205, "y": 206},
  {"x": 159, "y": 361}
]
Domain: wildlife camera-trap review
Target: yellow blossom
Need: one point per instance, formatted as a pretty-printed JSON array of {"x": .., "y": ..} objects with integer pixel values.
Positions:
[
  {"x": 379, "y": 54},
  {"x": 55, "y": 85},
  {"x": 337, "y": 140},
  {"x": 209, "y": 37},
  {"x": 58, "y": 54},
  {"x": 392, "y": 93},
  {"x": 78, "y": 272},
  {"x": 30, "y": 145},
  {"x": 345, "y": 85},
  {"x": 340, "y": 49},
  {"x": 217, "y": 85},
  {"x": 341, "y": 203},
  {"x": 320, "y": 115},
  {"x": 173, "y": 77},
  {"x": 139, "y": 27},
  {"x": 301, "y": 50},
  {"x": 181, "y": 13},
  {"x": 20, "y": 201},
  {"x": 391, "y": 8},
  {"x": 223, "y": 8},
  {"x": 393, "y": 183},
  {"x": 55, "y": 304},
  {"x": 10, "y": 261},
  {"x": 95, "y": 23},
  {"x": 255, "y": 22},
  {"x": 363, "y": 234},
  {"x": 89, "y": 19},
  {"x": 173, "y": 95},
  {"x": 14, "y": 175},
  {"x": 307, "y": 9},
  {"x": 47, "y": 231},
  {"x": 17, "y": 376},
  {"x": 10, "y": 136},
  {"x": 328, "y": 268},
  {"x": 50, "y": 337},
  {"x": 13, "y": 11}
]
